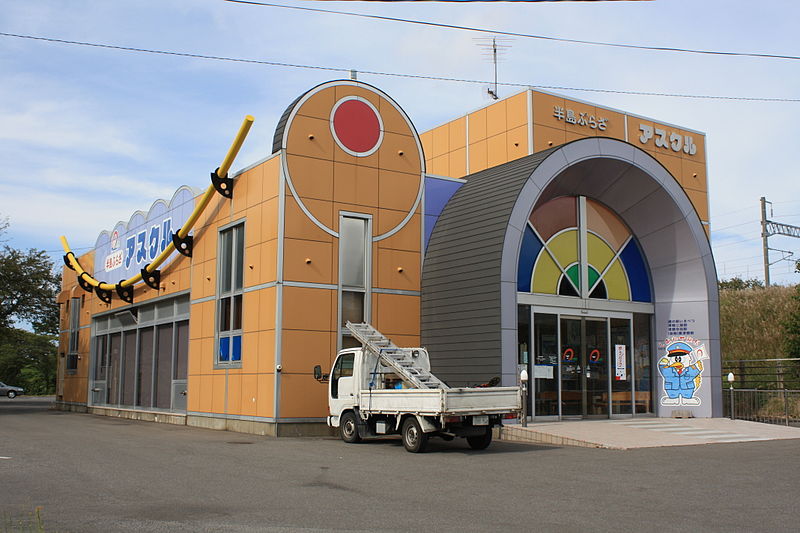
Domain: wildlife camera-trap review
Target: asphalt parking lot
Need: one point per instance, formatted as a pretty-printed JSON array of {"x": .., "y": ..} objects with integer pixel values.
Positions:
[{"x": 90, "y": 473}]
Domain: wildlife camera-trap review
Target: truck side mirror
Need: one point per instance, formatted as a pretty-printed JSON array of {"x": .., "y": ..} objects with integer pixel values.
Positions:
[{"x": 318, "y": 373}]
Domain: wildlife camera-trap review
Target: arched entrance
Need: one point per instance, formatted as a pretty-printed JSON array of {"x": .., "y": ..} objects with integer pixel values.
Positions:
[
  {"x": 584, "y": 312},
  {"x": 470, "y": 285}
]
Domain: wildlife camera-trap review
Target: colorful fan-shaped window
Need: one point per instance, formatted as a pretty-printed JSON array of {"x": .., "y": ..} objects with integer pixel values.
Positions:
[{"x": 553, "y": 260}]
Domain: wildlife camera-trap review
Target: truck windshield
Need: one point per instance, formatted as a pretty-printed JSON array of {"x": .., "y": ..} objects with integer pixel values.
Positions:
[{"x": 342, "y": 369}]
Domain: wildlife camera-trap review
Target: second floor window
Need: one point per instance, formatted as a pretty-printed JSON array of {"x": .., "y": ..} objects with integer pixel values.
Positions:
[{"x": 229, "y": 302}]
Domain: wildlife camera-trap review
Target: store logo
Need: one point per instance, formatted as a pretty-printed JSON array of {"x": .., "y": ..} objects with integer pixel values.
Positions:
[
  {"x": 682, "y": 370},
  {"x": 675, "y": 141}
]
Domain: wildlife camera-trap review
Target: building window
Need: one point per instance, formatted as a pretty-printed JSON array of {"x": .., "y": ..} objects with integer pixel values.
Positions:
[
  {"x": 229, "y": 302},
  {"x": 74, "y": 330},
  {"x": 354, "y": 254},
  {"x": 574, "y": 241}
]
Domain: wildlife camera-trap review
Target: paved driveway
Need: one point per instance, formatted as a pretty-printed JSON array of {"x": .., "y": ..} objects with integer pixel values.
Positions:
[{"x": 91, "y": 473}]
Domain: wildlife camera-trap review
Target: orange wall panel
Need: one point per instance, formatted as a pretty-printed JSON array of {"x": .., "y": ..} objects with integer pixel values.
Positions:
[
  {"x": 408, "y": 238},
  {"x": 517, "y": 111},
  {"x": 204, "y": 393},
  {"x": 320, "y": 106},
  {"x": 218, "y": 393},
  {"x": 397, "y": 314},
  {"x": 399, "y": 153},
  {"x": 308, "y": 261},
  {"x": 457, "y": 165},
  {"x": 298, "y": 226},
  {"x": 477, "y": 157},
  {"x": 266, "y": 352},
  {"x": 302, "y": 349},
  {"x": 193, "y": 393},
  {"x": 312, "y": 177},
  {"x": 694, "y": 175},
  {"x": 457, "y": 134},
  {"x": 497, "y": 150},
  {"x": 398, "y": 269},
  {"x": 249, "y": 399},
  {"x": 700, "y": 202},
  {"x": 309, "y": 137},
  {"x": 266, "y": 308},
  {"x": 234, "y": 395},
  {"x": 496, "y": 119},
  {"x": 251, "y": 351},
  {"x": 302, "y": 396},
  {"x": 546, "y": 137},
  {"x": 398, "y": 190},
  {"x": 355, "y": 184},
  {"x": 271, "y": 177},
  {"x": 476, "y": 123},
  {"x": 440, "y": 141},
  {"x": 307, "y": 308},
  {"x": 439, "y": 165},
  {"x": 265, "y": 400}
]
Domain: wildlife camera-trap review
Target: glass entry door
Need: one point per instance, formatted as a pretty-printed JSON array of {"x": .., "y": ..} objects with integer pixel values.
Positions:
[{"x": 584, "y": 367}]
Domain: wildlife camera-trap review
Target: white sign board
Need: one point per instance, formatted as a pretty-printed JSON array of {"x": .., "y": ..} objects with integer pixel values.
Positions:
[
  {"x": 620, "y": 369},
  {"x": 542, "y": 372}
]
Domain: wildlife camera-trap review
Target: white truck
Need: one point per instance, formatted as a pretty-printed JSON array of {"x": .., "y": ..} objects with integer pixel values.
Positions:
[{"x": 380, "y": 389}]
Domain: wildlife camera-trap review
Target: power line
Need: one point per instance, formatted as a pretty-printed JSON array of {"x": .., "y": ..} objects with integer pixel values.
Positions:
[
  {"x": 516, "y": 34},
  {"x": 390, "y": 74}
]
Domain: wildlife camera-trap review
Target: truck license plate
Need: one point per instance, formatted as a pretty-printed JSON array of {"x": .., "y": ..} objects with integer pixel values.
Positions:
[{"x": 480, "y": 420}]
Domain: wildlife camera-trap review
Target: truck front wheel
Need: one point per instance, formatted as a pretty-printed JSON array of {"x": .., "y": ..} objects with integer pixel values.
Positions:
[
  {"x": 481, "y": 442},
  {"x": 414, "y": 439},
  {"x": 348, "y": 429}
]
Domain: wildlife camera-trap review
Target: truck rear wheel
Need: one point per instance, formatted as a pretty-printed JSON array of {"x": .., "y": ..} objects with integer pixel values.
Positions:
[
  {"x": 414, "y": 439},
  {"x": 348, "y": 428},
  {"x": 480, "y": 442}
]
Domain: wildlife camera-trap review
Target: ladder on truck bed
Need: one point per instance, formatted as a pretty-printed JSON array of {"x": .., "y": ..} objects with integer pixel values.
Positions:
[{"x": 399, "y": 359}]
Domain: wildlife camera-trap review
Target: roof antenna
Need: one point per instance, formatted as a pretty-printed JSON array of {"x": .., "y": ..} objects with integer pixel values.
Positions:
[{"x": 493, "y": 49}]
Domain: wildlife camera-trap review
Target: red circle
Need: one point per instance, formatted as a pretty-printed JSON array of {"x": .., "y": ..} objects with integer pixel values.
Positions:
[{"x": 357, "y": 126}]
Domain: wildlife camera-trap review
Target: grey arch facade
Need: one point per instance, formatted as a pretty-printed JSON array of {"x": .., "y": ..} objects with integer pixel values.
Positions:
[{"x": 469, "y": 278}]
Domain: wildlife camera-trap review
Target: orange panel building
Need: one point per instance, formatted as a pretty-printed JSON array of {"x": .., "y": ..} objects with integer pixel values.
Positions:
[{"x": 333, "y": 226}]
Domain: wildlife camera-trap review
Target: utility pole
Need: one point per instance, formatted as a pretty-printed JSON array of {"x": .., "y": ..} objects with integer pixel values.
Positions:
[
  {"x": 765, "y": 240},
  {"x": 769, "y": 228}
]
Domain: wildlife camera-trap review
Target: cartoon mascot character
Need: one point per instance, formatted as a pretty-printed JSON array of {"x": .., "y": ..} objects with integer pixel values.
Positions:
[{"x": 682, "y": 369}]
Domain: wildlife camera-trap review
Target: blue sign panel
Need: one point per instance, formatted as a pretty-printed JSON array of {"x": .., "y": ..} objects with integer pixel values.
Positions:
[{"x": 123, "y": 252}]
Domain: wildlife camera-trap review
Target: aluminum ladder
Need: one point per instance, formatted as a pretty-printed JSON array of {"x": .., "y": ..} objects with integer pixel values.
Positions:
[{"x": 398, "y": 359}]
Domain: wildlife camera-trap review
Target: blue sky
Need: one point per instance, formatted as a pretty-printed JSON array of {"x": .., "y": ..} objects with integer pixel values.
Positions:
[{"x": 89, "y": 135}]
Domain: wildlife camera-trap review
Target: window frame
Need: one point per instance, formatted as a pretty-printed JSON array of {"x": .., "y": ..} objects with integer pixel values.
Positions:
[
  {"x": 232, "y": 334},
  {"x": 74, "y": 328},
  {"x": 366, "y": 290}
]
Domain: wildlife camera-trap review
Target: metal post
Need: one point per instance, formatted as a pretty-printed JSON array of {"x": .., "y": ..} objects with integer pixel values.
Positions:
[
  {"x": 731, "y": 377},
  {"x": 785, "y": 407},
  {"x": 523, "y": 379},
  {"x": 524, "y": 404},
  {"x": 764, "y": 240}
]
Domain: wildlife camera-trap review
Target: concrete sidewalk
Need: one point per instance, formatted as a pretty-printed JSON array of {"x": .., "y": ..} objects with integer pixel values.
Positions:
[{"x": 624, "y": 434}]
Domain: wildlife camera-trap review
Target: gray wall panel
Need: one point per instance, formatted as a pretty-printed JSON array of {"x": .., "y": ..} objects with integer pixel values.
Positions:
[{"x": 461, "y": 289}]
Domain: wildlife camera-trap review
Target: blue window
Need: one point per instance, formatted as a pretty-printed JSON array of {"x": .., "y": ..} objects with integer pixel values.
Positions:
[{"x": 230, "y": 295}]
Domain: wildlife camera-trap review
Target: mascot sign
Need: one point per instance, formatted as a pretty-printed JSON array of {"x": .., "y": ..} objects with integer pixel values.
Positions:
[{"x": 682, "y": 366}]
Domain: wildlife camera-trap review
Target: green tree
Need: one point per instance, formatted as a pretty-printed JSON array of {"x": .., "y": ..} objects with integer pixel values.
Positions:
[
  {"x": 28, "y": 288},
  {"x": 28, "y": 360}
]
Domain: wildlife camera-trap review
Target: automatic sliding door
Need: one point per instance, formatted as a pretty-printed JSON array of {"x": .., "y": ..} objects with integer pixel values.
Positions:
[
  {"x": 595, "y": 353},
  {"x": 572, "y": 379}
]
